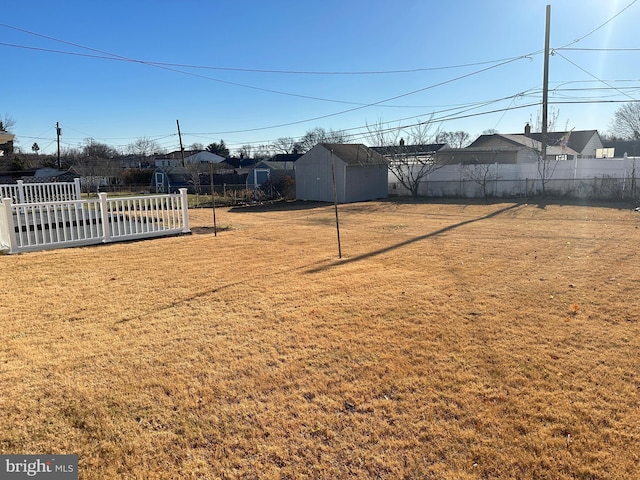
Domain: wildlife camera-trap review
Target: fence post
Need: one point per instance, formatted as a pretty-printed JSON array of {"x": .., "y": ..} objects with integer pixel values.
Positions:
[
  {"x": 78, "y": 191},
  {"x": 104, "y": 217},
  {"x": 185, "y": 210},
  {"x": 7, "y": 227},
  {"x": 20, "y": 191}
]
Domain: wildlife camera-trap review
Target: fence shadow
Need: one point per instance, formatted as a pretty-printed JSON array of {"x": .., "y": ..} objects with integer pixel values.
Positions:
[{"x": 381, "y": 251}]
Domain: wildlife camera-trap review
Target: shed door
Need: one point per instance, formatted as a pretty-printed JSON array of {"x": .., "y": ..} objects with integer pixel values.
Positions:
[{"x": 159, "y": 182}]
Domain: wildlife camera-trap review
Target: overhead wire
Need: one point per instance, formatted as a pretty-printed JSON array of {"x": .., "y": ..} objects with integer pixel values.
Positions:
[{"x": 166, "y": 66}]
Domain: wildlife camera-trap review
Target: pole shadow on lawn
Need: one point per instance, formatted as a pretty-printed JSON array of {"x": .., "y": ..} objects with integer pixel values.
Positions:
[{"x": 410, "y": 241}]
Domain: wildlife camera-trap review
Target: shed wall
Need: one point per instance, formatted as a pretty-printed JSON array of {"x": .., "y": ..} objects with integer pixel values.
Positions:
[{"x": 313, "y": 176}]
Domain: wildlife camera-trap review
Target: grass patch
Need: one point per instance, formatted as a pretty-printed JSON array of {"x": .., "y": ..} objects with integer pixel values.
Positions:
[{"x": 451, "y": 341}]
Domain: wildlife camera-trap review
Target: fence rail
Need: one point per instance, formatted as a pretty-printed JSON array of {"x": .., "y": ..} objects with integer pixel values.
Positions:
[
  {"x": 35, "y": 192},
  {"x": 59, "y": 224}
]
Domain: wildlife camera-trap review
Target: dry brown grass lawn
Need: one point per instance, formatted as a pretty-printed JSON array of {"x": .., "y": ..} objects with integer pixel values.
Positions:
[{"x": 452, "y": 341}]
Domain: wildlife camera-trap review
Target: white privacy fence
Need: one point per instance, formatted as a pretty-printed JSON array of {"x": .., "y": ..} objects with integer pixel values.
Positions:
[
  {"x": 22, "y": 192},
  {"x": 58, "y": 224},
  {"x": 587, "y": 178}
]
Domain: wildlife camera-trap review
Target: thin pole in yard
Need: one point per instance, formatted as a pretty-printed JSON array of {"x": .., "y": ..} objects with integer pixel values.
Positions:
[
  {"x": 181, "y": 147},
  {"x": 335, "y": 202},
  {"x": 213, "y": 199}
]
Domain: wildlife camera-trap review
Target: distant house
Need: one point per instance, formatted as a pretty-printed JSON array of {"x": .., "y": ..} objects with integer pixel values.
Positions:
[
  {"x": 518, "y": 148},
  {"x": 360, "y": 173},
  {"x": 618, "y": 148},
  {"x": 167, "y": 162},
  {"x": 203, "y": 157},
  {"x": 171, "y": 179},
  {"x": 268, "y": 169}
]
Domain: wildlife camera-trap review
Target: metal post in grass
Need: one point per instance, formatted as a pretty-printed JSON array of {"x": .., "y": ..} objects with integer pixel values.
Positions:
[
  {"x": 335, "y": 202},
  {"x": 213, "y": 199}
]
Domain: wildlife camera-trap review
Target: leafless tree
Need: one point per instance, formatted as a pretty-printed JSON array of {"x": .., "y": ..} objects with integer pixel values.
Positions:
[
  {"x": 284, "y": 145},
  {"x": 262, "y": 151},
  {"x": 245, "y": 151},
  {"x": 407, "y": 152},
  {"x": 626, "y": 122},
  {"x": 7, "y": 123},
  {"x": 320, "y": 135},
  {"x": 143, "y": 147},
  {"x": 546, "y": 166},
  {"x": 481, "y": 174},
  {"x": 458, "y": 139}
]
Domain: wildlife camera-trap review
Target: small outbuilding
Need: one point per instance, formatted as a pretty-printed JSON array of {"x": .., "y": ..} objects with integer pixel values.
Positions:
[
  {"x": 172, "y": 179},
  {"x": 360, "y": 173}
]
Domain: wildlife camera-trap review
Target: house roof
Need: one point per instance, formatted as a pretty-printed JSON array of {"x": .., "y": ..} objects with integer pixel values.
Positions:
[
  {"x": 630, "y": 147},
  {"x": 519, "y": 141},
  {"x": 355, "y": 153},
  {"x": 6, "y": 137},
  {"x": 576, "y": 141},
  {"x": 415, "y": 150},
  {"x": 204, "y": 157},
  {"x": 239, "y": 162},
  {"x": 275, "y": 165},
  {"x": 285, "y": 157}
]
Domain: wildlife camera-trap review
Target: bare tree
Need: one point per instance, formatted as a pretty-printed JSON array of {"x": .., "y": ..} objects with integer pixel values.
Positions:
[
  {"x": 284, "y": 145},
  {"x": 7, "y": 123},
  {"x": 626, "y": 122},
  {"x": 410, "y": 159},
  {"x": 320, "y": 135},
  {"x": 481, "y": 173},
  {"x": 457, "y": 139},
  {"x": 245, "y": 151},
  {"x": 96, "y": 164},
  {"x": 262, "y": 151},
  {"x": 143, "y": 147},
  {"x": 546, "y": 166}
]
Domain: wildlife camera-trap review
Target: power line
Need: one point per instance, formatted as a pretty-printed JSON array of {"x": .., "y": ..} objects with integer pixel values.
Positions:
[{"x": 601, "y": 26}]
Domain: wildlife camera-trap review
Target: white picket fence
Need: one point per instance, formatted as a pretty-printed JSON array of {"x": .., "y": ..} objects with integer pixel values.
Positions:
[
  {"x": 22, "y": 192},
  {"x": 58, "y": 224}
]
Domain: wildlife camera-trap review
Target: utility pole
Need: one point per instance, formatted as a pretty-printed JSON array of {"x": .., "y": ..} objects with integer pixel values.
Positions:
[
  {"x": 58, "y": 133},
  {"x": 545, "y": 89},
  {"x": 181, "y": 147}
]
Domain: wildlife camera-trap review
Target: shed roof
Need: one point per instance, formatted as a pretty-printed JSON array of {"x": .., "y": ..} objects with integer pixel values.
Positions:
[{"x": 355, "y": 154}]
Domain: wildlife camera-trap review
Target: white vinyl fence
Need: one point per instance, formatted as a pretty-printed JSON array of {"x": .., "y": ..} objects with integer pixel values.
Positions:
[
  {"x": 581, "y": 178},
  {"x": 22, "y": 192},
  {"x": 57, "y": 224}
]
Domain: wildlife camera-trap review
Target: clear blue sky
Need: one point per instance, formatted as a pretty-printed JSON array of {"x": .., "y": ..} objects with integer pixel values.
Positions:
[{"x": 492, "y": 50}]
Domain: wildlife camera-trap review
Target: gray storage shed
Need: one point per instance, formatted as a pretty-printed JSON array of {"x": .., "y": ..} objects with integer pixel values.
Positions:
[{"x": 361, "y": 174}]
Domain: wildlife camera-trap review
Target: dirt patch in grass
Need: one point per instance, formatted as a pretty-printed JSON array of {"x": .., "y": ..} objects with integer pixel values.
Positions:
[{"x": 451, "y": 341}]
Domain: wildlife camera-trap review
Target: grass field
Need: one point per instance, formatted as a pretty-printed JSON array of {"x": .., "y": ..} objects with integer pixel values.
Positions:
[{"x": 451, "y": 341}]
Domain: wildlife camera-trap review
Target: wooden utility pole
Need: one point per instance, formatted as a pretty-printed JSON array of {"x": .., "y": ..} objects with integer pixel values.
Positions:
[
  {"x": 58, "y": 133},
  {"x": 181, "y": 147},
  {"x": 545, "y": 88}
]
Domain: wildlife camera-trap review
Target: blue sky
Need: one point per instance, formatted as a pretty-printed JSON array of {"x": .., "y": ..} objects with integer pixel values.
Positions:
[{"x": 279, "y": 68}]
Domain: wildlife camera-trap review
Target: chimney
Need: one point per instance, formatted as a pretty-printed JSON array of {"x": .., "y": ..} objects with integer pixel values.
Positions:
[
  {"x": 527, "y": 129},
  {"x": 402, "y": 142}
]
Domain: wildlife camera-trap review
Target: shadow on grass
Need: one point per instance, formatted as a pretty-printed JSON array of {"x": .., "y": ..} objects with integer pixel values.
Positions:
[
  {"x": 540, "y": 202},
  {"x": 412, "y": 240},
  {"x": 279, "y": 206}
]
